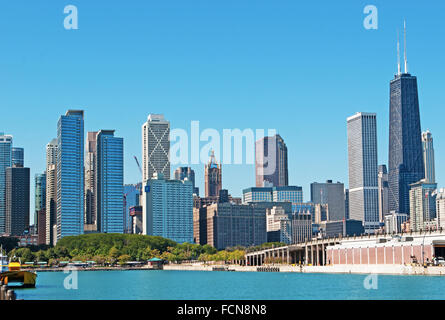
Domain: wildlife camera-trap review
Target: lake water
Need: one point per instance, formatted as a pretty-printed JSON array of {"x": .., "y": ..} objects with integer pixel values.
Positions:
[{"x": 205, "y": 285}]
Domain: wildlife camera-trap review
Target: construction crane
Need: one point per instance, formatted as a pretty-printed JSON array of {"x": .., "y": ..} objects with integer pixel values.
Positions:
[{"x": 137, "y": 162}]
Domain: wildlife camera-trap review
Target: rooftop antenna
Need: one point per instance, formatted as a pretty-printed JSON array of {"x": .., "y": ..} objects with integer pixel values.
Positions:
[
  {"x": 398, "y": 54},
  {"x": 406, "y": 59}
]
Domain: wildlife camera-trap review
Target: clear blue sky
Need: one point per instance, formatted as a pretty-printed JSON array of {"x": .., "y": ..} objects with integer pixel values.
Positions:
[{"x": 301, "y": 68}]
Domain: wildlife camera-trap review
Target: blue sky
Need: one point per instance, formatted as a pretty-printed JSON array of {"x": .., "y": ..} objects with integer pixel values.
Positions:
[{"x": 299, "y": 67}]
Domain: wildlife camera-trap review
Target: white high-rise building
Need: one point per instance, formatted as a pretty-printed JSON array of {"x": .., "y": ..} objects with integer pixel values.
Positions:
[
  {"x": 51, "y": 191},
  {"x": 428, "y": 156},
  {"x": 155, "y": 147},
  {"x": 422, "y": 204},
  {"x": 383, "y": 192},
  {"x": 363, "y": 170},
  {"x": 440, "y": 208}
]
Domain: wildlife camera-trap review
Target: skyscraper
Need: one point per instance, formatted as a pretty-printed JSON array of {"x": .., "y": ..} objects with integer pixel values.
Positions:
[
  {"x": 405, "y": 163},
  {"x": 155, "y": 147},
  {"x": 213, "y": 177},
  {"x": 186, "y": 172},
  {"x": 332, "y": 194},
  {"x": 51, "y": 191},
  {"x": 90, "y": 179},
  {"x": 18, "y": 156},
  {"x": 131, "y": 199},
  {"x": 5, "y": 162},
  {"x": 292, "y": 194},
  {"x": 422, "y": 196},
  {"x": 70, "y": 174},
  {"x": 428, "y": 156},
  {"x": 39, "y": 196},
  {"x": 440, "y": 208},
  {"x": 109, "y": 182},
  {"x": 383, "y": 192},
  {"x": 363, "y": 172},
  {"x": 168, "y": 209},
  {"x": 271, "y": 162},
  {"x": 17, "y": 200}
]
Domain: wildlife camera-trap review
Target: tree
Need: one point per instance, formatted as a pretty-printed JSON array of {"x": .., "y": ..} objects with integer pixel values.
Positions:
[
  {"x": 114, "y": 253},
  {"x": 124, "y": 259}
]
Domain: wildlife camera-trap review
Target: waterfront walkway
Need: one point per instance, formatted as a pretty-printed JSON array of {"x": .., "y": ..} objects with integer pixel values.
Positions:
[{"x": 334, "y": 269}]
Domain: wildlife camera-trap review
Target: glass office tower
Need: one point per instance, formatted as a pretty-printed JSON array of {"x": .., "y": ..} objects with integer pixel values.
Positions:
[
  {"x": 109, "y": 182},
  {"x": 18, "y": 157},
  {"x": 405, "y": 164},
  {"x": 39, "y": 196},
  {"x": 70, "y": 174},
  {"x": 5, "y": 162}
]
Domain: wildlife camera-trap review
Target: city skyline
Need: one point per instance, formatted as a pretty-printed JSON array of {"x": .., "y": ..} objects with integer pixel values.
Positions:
[{"x": 301, "y": 171}]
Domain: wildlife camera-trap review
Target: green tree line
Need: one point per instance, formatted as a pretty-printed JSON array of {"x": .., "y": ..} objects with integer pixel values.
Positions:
[{"x": 121, "y": 248}]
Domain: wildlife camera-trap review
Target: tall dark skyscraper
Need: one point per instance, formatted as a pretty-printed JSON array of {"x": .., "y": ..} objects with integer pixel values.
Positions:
[
  {"x": 405, "y": 164},
  {"x": 17, "y": 200}
]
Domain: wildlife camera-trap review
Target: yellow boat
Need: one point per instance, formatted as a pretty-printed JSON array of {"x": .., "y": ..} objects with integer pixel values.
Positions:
[{"x": 12, "y": 273}]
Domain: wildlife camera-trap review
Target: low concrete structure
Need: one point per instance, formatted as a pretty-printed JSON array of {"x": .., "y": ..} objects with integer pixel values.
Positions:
[{"x": 414, "y": 247}]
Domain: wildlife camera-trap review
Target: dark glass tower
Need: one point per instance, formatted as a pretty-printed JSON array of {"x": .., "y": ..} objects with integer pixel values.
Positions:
[{"x": 405, "y": 142}]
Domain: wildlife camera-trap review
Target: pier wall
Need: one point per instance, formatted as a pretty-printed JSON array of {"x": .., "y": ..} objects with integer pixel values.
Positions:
[{"x": 340, "y": 269}]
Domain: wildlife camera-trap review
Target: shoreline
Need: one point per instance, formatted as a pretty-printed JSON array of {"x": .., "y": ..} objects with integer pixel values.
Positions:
[{"x": 331, "y": 269}]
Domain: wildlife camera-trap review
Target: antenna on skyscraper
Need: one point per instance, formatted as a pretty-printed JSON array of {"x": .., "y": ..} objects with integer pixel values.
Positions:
[
  {"x": 398, "y": 54},
  {"x": 406, "y": 59}
]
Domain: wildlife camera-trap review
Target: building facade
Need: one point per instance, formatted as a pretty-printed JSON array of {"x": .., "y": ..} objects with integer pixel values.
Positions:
[
  {"x": 292, "y": 194},
  {"x": 17, "y": 200},
  {"x": 422, "y": 198},
  {"x": 343, "y": 228},
  {"x": 70, "y": 174},
  {"x": 271, "y": 167},
  {"x": 188, "y": 173},
  {"x": 5, "y": 162},
  {"x": 230, "y": 225},
  {"x": 333, "y": 195},
  {"x": 405, "y": 163},
  {"x": 18, "y": 156},
  {"x": 155, "y": 147},
  {"x": 394, "y": 222},
  {"x": 51, "y": 191},
  {"x": 212, "y": 177},
  {"x": 132, "y": 194},
  {"x": 428, "y": 156},
  {"x": 383, "y": 191},
  {"x": 279, "y": 227},
  {"x": 39, "y": 197},
  {"x": 440, "y": 208},
  {"x": 109, "y": 192},
  {"x": 168, "y": 209},
  {"x": 363, "y": 171},
  {"x": 90, "y": 179}
]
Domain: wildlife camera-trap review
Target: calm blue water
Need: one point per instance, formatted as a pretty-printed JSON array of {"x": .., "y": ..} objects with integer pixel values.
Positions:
[{"x": 165, "y": 285}]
